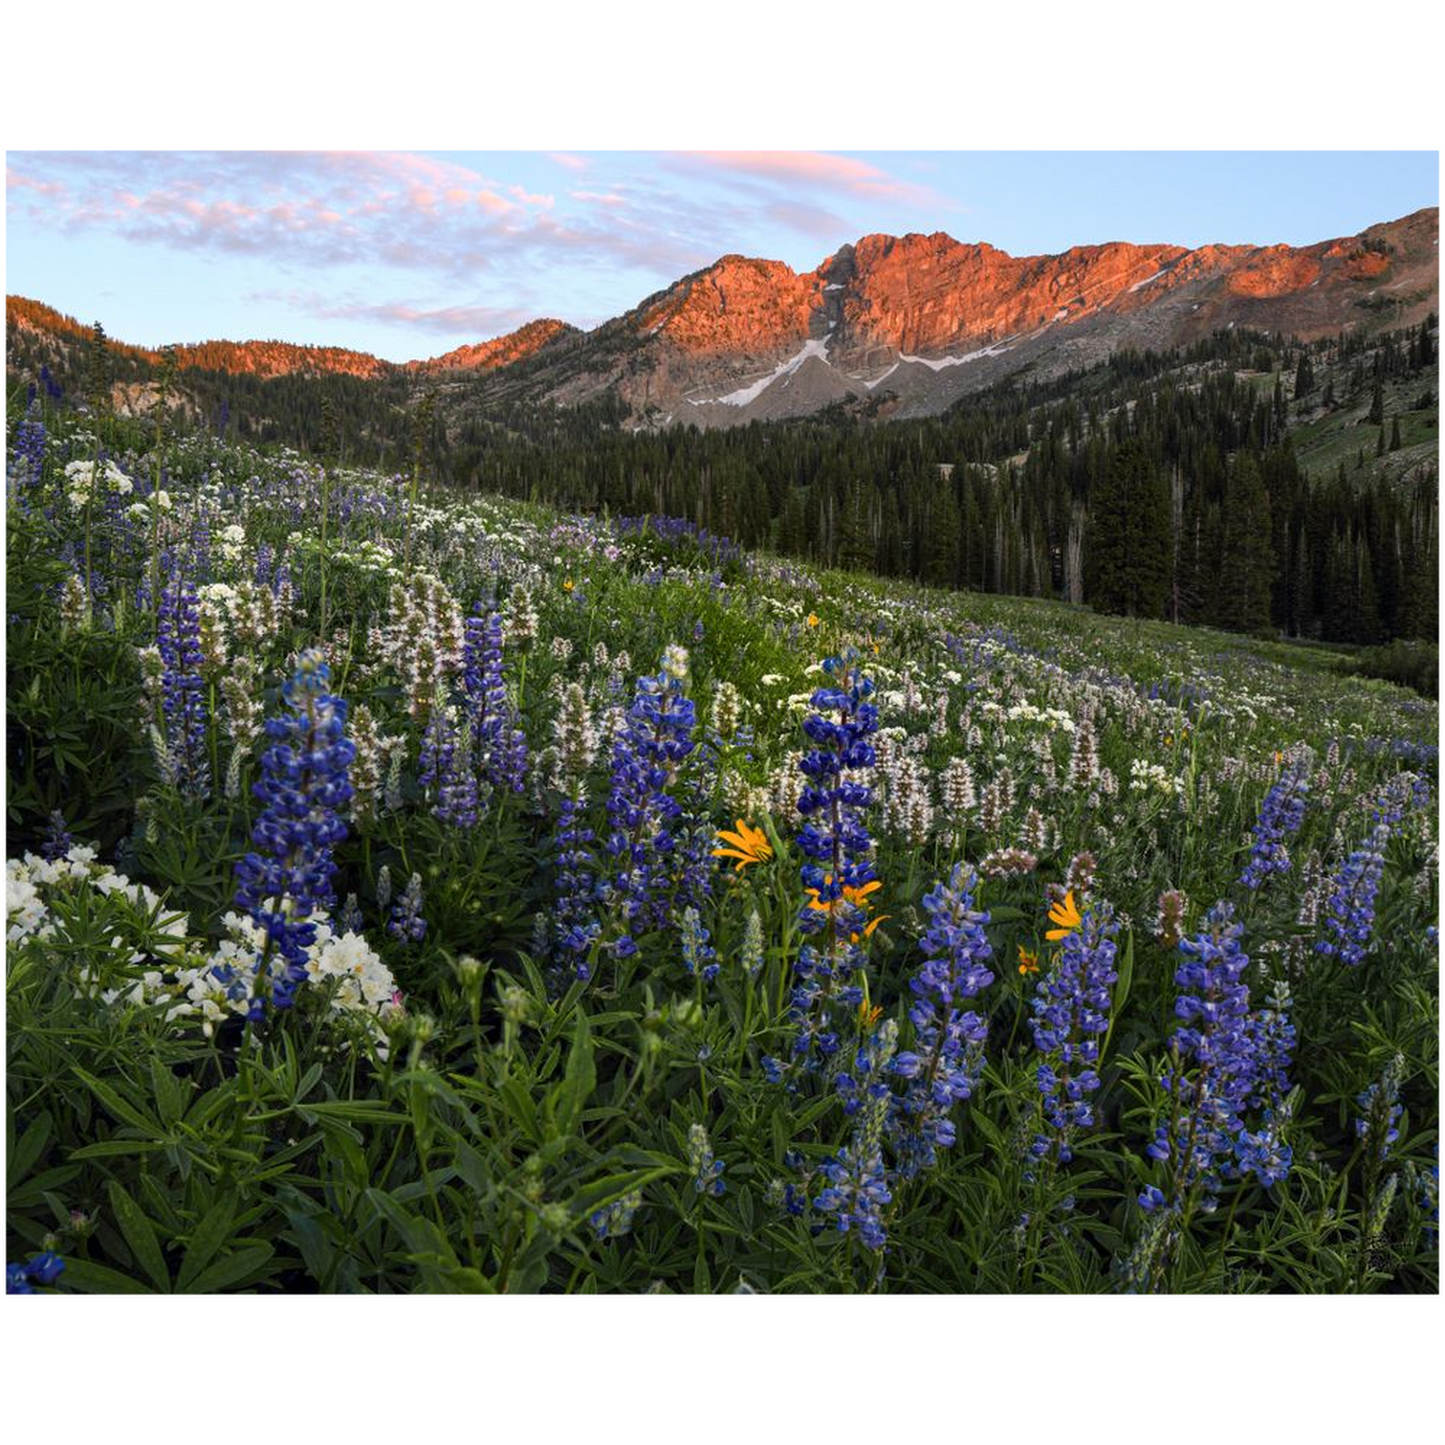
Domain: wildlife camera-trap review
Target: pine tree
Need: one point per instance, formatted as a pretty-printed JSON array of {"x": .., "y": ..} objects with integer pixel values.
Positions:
[
  {"x": 1127, "y": 568},
  {"x": 1248, "y": 564},
  {"x": 1395, "y": 434},
  {"x": 1304, "y": 377}
]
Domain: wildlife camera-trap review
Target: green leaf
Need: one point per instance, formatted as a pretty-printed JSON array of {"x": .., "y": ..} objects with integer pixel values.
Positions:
[
  {"x": 209, "y": 1236},
  {"x": 231, "y": 1269},
  {"x": 580, "y": 1079},
  {"x": 87, "y": 1278},
  {"x": 363, "y": 1111},
  {"x": 116, "y": 1148},
  {"x": 123, "y": 1110},
  {"x": 140, "y": 1235},
  {"x": 29, "y": 1148},
  {"x": 1121, "y": 988}
]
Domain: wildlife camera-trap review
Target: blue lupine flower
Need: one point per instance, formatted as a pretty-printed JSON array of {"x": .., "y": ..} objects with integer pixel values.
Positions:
[
  {"x": 1214, "y": 1050},
  {"x": 943, "y": 1067},
  {"x": 445, "y": 764},
  {"x": 838, "y": 851},
  {"x": 642, "y": 812},
  {"x": 348, "y": 917},
  {"x": 58, "y": 841},
  {"x": 1264, "y": 1152},
  {"x": 304, "y": 786},
  {"x": 698, "y": 954},
  {"x": 407, "y": 922},
  {"x": 577, "y": 924},
  {"x": 615, "y": 1219},
  {"x": 1350, "y": 909},
  {"x": 1071, "y": 1015},
  {"x": 43, "y": 1270},
  {"x": 858, "y": 1188},
  {"x": 1378, "y": 1125},
  {"x": 1280, "y": 816},
  {"x": 706, "y": 1171},
  {"x": 28, "y": 458},
  {"x": 499, "y": 747},
  {"x": 178, "y": 637}
]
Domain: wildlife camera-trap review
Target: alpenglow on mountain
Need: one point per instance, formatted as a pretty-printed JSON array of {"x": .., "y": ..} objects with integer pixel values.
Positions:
[{"x": 893, "y": 325}]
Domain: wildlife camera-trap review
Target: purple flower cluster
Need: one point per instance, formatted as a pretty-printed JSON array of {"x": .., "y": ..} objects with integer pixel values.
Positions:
[
  {"x": 1350, "y": 910},
  {"x": 1280, "y": 816},
  {"x": 304, "y": 786},
  {"x": 839, "y": 858},
  {"x": 577, "y": 924},
  {"x": 43, "y": 1270},
  {"x": 1071, "y": 1015},
  {"x": 698, "y": 954},
  {"x": 1378, "y": 1125},
  {"x": 858, "y": 1187},
  {"x": 445, "y": 764},
  {"x": 943, "y": 1066},
  {"x": 643, "y": 814},
  {"x": 178, "y": 638},
  {"x": 28, "y": 458},
  {"x": 1227, "y": 1062},
  {"x": 498, "y": 745},
  {"x": 406, "y": 921}
]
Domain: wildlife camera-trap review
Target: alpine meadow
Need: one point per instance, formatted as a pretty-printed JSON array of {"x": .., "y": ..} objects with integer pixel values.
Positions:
[{"x": 915, "y": 775}]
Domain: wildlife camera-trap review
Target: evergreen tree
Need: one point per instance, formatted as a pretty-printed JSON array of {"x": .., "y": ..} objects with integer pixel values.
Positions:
[
  {"x": 1248, "y": 569},
  {"x": 1128, "y": 560},
  {"x": 1304, "y": 377}
]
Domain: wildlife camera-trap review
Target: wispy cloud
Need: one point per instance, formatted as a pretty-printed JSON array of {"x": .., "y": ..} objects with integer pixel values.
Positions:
[
  {"x": 455, "y": 245},
  {"x": 469, "y": 320},
  {"x": 322, "y": 210},
  {"x": 814, "y": 170}
]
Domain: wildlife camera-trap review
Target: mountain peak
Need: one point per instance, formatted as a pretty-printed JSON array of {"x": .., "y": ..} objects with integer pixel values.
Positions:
[{"x": 902, "y": 325}]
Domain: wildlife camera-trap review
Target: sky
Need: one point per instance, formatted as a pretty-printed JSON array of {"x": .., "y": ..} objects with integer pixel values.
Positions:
[{"x": 408, "y": 254}]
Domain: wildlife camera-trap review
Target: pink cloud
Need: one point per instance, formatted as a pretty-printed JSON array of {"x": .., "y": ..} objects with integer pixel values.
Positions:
[
  {"x": 478, "y": 321},
  {"x": 818, "y": 169}
]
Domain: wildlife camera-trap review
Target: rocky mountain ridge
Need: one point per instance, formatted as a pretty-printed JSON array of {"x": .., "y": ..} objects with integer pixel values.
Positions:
[{"x": 894, "y": 325}]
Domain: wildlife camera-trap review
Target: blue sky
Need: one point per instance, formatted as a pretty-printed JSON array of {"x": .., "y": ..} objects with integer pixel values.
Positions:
[{"x": 406, "y": 254}]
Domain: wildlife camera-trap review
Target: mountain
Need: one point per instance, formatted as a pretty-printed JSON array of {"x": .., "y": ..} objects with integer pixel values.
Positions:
[
  {"x": 911, "y": 323},
  {"x": 890, "y": 326},
  {"x": 41, "y": 325},
  {"x": 501, "y": 351}
]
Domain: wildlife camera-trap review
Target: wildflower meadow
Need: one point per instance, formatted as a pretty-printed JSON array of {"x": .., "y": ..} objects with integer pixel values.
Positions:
[{"x": 412, "y": 891}]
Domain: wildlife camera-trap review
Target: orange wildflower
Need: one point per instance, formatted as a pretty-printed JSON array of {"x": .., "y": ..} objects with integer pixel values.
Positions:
[
  {"x": 1067, "y": 916},
  {"x": 747, "y": 845}
]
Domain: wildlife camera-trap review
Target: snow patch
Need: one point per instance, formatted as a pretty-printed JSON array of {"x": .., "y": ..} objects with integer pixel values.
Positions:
[
  {"x": 938, "y": 363},
  {"x": 1140, "y": 285},
  {"x": 785, "y": 368},
  {"x": 877, "y": 380},
  {"x": 833, "y": 286}
]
